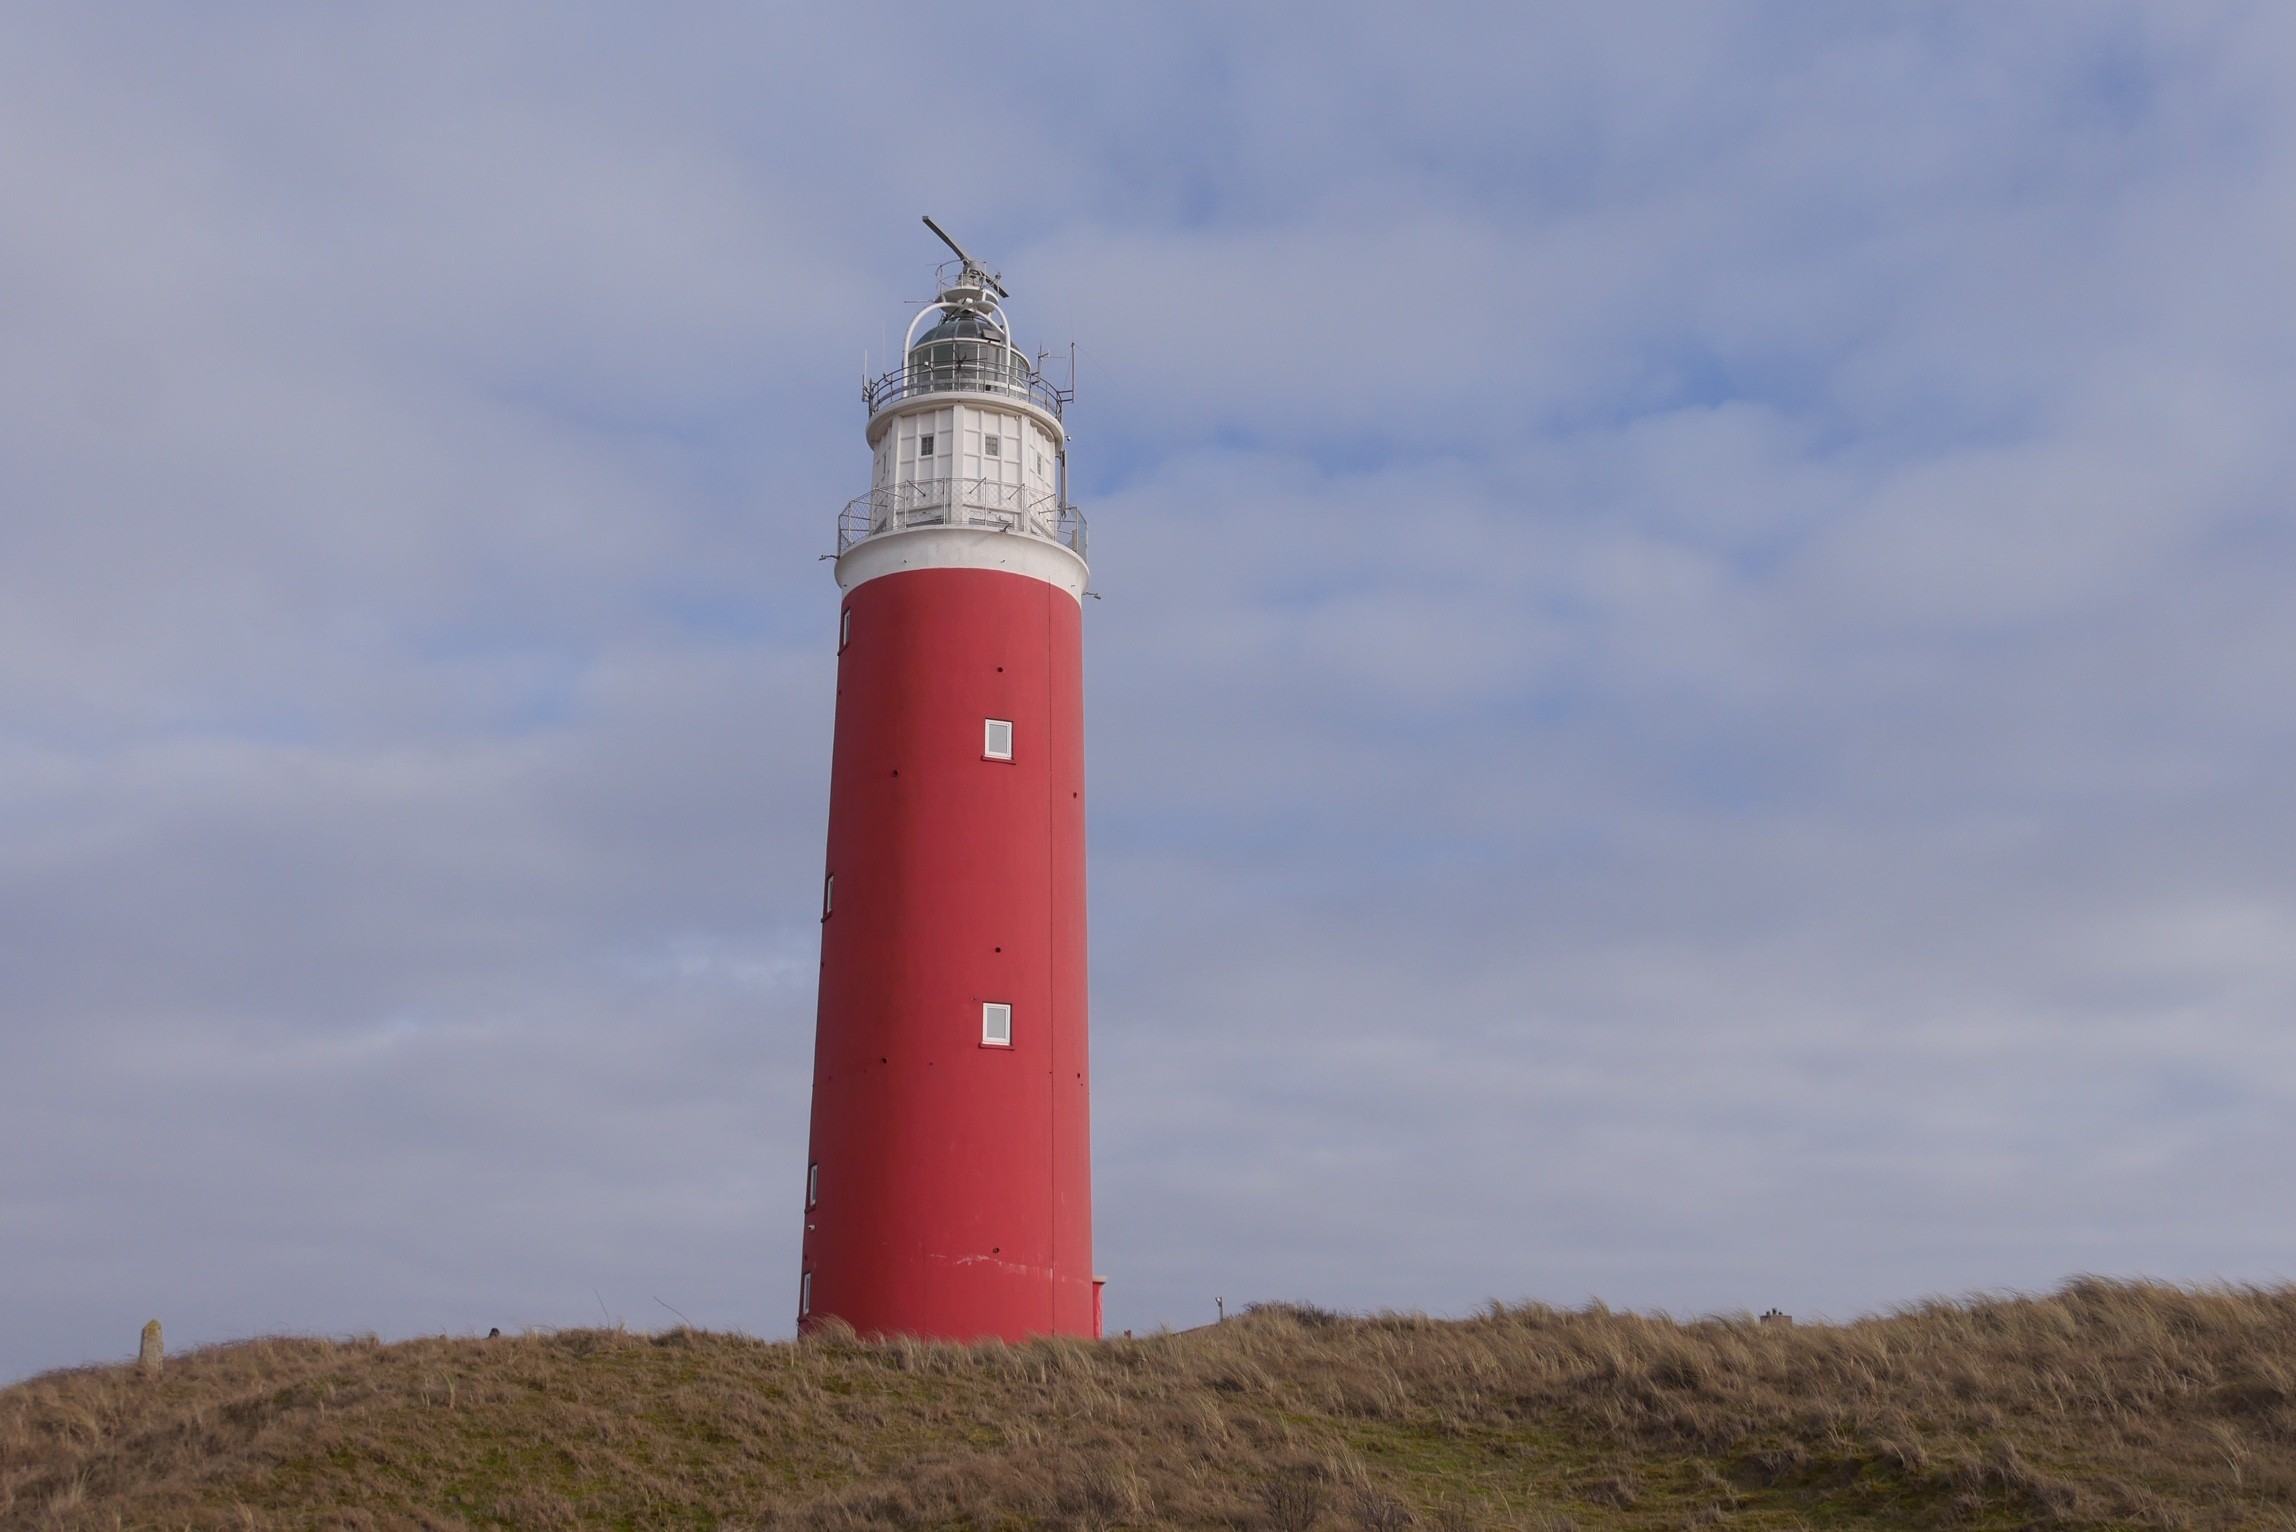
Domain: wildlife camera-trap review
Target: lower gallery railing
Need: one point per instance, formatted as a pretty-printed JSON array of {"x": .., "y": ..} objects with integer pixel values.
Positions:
[{"x": 961, "y": 503}]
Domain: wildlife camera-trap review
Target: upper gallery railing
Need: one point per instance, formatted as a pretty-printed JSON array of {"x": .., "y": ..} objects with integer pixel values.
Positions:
[{"x": 997, "y": 371}]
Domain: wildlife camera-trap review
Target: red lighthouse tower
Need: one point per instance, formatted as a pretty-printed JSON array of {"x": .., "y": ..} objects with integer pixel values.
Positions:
[{"x": 948, "y": 1186}]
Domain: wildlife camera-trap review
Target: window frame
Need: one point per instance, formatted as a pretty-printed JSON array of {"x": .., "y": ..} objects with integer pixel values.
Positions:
[
  {"x": 992, "y": 1013},
  {"x": 989, "y": 727}
]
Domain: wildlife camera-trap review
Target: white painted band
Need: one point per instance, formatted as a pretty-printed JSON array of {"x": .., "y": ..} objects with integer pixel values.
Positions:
[
  {"x": 963, "y": 548},
  {"x": 979, "y": 399}
]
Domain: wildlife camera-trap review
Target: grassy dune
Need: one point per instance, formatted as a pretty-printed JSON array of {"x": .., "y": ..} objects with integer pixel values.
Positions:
[{"x": 2105, "y": 1404}]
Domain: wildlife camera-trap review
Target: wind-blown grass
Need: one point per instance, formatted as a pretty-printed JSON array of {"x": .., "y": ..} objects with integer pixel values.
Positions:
[{"x": 2105, "y": 1404}]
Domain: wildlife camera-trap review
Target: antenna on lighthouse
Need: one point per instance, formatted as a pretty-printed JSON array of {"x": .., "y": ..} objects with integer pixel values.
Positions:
[{"x": 974, "y": 273}]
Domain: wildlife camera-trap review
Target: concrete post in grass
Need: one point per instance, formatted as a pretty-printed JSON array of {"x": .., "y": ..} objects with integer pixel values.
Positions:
[{"x": 153, "y": 1350}]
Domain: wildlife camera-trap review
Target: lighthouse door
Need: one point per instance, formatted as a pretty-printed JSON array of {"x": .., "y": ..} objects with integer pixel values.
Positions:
[
  {"x": 992, "y": 465},
  {"x": 924, "y": 466}
]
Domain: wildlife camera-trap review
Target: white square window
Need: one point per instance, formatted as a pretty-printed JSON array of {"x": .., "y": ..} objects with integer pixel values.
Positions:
[
  {"x": 996, "y": 1025},
  {"x": 996, "y": 742},
  {"x": 992, "y": 446},
  {"x": 925, "y": 445}
]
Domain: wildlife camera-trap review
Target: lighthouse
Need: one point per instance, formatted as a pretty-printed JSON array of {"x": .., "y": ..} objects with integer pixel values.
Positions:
[{"x": 948, "y": 1178}]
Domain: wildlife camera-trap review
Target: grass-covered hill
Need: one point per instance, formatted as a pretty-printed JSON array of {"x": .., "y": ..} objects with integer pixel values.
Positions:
[{"x": 2103, "y": 1405}]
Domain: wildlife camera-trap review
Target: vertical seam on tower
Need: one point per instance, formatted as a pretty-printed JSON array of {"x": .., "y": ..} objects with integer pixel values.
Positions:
[{"x": 1052, "y": 975}]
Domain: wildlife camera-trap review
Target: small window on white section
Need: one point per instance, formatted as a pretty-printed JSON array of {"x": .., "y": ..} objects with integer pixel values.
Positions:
[
  {"x": 996, "y": 1025},
  {"x": 828, "y": 894},
  {"x": 805, "y": 1295},
  {"x": 997, "y": 745},
  {"x": 812, "y": 1184},
  {"x": 925, "y": 445},
  {"x": 992, "y": 446},
  {"x": 844, "y": 629}
]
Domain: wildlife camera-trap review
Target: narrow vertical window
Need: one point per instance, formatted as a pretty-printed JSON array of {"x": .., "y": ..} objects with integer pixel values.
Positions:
[
  {"x": 844, "y": 629},
  {"x": 805, "y": 1295},
  {"x": 996, "y": 742},
  {"x": 996, "y": 1025},
  {"x": 925, "y": 445},
  {"x": 828, "y": 894},
  {"x": 813, "y": 1184}
]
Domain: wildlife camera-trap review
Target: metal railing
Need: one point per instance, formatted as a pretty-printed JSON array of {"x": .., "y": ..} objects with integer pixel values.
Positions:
[
  {"x": 1012, "y": 380},
  {"x": 983, "y": 503}
]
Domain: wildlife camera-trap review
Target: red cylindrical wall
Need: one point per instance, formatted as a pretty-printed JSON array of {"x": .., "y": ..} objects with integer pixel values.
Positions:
[{"x": 949, "y": 1182}]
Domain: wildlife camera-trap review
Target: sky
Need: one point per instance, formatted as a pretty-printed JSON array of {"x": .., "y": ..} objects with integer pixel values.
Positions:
[{"x": 1689, "y": 701}]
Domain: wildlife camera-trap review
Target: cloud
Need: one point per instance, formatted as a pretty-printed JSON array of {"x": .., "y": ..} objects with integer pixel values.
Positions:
[{"x": 1689, "y": 705}]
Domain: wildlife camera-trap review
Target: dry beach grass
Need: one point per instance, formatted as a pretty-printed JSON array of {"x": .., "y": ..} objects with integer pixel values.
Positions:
[{"x": 2105, "y": 1404}]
